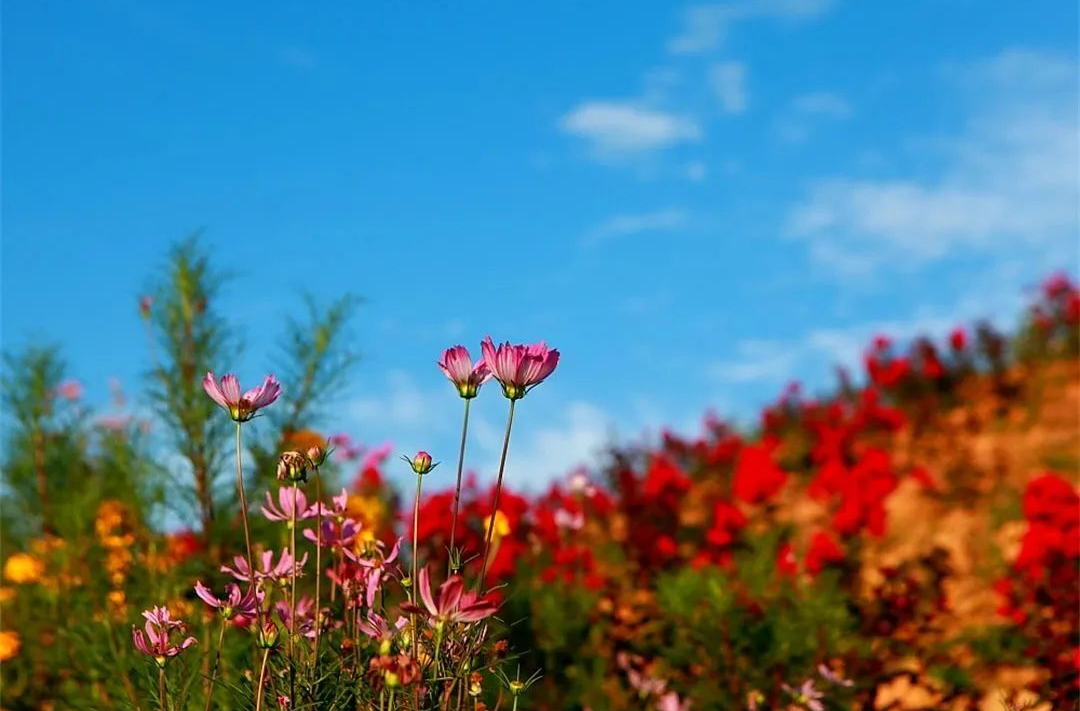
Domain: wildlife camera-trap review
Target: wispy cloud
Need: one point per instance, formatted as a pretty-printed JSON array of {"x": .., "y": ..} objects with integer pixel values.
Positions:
[
  {"x": 1010, "y": 181},
  {"x": 728, "y": 80},
  {"x": 618, "y": 129},
  {"x": 705, "y": 27},
  {"x": 636, "y": 223}
]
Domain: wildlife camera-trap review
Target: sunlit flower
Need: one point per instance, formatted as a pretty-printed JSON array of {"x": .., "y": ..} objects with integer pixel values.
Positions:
[
  {"x": 377, "y": 628},
  {"x": 281, "y": 572},
  {"x": 241, "y": 407},
  {"x": 500, "y": 524},
  {"x": 519, "y": 368},
  {"x": 156, "y": 641},
  {"x": 235, "y": 602},
  {"x": 291, "y": 502},
  {"x": 457, "y": 366},
  {"x": 10, "y": 644},
  {"x": 376, "y": 567},
  {"x": 23, "y": 568},
  {"x": 453, "y": 604}
]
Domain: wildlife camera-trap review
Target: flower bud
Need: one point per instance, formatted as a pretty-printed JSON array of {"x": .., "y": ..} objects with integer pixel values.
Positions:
[
  {"x": 293, "y": 466},
  {"x": 316, "y": 455},
  {"x": 268, "y": 635},
  {"x": 421, "y": 463},
  {"x": 475, "y": 680}
]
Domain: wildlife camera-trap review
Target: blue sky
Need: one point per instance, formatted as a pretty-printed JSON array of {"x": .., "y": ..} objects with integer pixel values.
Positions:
[{"x": 695, "y": 204}]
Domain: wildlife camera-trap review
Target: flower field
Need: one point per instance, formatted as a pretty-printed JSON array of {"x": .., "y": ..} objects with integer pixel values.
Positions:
[{"x": 910, "y": 540}]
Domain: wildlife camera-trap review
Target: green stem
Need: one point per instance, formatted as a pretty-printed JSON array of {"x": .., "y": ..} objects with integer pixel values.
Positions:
[
  {"x": 243, "y": 517},
  {"x": 292, "y": 600},
  {"x": 217, "y": 663},
  {"x": 318, "y": 570},
  {"x": 415, "y": 558},
  {"x": 457, "y": 488},
  {"x": 163, "y": 692},
  {"x": 498, "y": 490},
  {"x": 262, "y": 680}
]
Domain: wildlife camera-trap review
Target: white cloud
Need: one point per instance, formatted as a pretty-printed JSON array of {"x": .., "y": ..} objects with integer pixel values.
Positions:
[
  {"x": 1010, "y": 182},
  {"x": 402, "y": 405},
  {"x": 621, "y": 128},
  {"x": 822, "y": 103},
  {"x": 628, "y": 224},
  {"x": 755, "y": 361},
  {"x": 705, "y": 27},
  {"x": 575, "y": 436},
  {"x": 728, "y": 80}
]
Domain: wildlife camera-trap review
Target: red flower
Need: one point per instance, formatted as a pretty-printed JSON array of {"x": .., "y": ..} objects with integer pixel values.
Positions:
[
  {"x": 757, "y": 477},
  {"x": 823, "y": 551},
  {"x": 728, "y": 520}
]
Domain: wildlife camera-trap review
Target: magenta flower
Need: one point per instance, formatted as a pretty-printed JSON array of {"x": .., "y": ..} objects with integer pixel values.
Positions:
[
  {"x": 378, "y": 628},
  {"x": 671, "y": 702},
  {"x": 519, "y": 368},
  {"x": 234, "y": 603},
  {"x": 282, "y": 572},
  {"x": 335, "y": 535},
  {"x": 70, "y": 390},
  {"x": 241, "y": 407},
  {"x": 453, "y": 605},
  {"x": 457, "y": 366},
  {"x": 153, "y": 640},
  {"x": 305, "y": 616},
  {"x": 290, "y": 501},
  {"x": 375, "y": 567}
]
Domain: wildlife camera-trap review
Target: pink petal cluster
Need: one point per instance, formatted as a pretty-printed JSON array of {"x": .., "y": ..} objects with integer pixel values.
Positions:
[
  {"x": 290, "y": 501},
  {"x": 282, "y": 571},
  {"x": 241, "y": 407},
  {"x": 154, "y": 639},
  {"x": 453, "y": 604},
  {"x": 519, "y": 368},
  {"x": 457, "y": 365},
  {"x": 234, "y": 603}
]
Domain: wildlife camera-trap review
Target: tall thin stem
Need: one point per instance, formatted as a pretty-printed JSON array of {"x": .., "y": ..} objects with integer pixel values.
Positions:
[
  {"x": 318, "y": 568},
  {"x": 457, "y": 487},
  {"x": 244, "y": 518},
  {"x": 292, "y": 599},
  {"x": 163, "y": 692},
  {"x": 498, "y": 490},
  {"x": 262, "y": 680},
  {"x": 217, "y": 664},
  {"x": 415, "y": 558}
]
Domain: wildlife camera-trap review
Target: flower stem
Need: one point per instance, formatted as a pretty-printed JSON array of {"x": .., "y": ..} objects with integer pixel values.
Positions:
[
  {"x": 262, "y": 680},
  {"x": 163, "y": 692},
  {"x": 498, "y": 490},
  {"x": 415, "y": 558},
  {"x": 244, "y": 518},
  {"x": 457, "y": 488},
  {"x": 318, "y": 569},
  {"x": 292, "y": 599},
  {"x": 217, "y": 663}
]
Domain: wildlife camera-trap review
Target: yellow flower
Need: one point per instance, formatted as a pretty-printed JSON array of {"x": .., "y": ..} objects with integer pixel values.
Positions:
[
  {"x": 23, "y": 568},
  {"x": 9, "y": 645},
  {"x": 117, "y": 602},
  {"x": 366, "y": 509},
  {"x": 502, "y": 525}
]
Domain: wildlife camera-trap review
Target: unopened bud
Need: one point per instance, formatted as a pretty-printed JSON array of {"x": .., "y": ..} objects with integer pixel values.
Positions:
[
  {"x": 421, "y": 462},
  {"x": 268, "y": 635},
  {"x": 293, "y": 466}
]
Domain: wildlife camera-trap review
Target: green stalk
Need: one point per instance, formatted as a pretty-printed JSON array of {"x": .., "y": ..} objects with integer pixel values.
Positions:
[
  {"x": 498, "y": 490},
  {"x": 457, "y": 488}
]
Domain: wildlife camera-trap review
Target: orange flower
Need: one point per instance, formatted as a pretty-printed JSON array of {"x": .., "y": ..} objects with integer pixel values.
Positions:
[
  {"x": 9, "y": 645},
  {"x": 303, "y": 440},
  {"x": 22, "y": 568}
]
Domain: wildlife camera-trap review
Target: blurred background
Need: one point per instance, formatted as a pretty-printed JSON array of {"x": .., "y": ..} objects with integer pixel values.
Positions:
[
  {"x": 695, "y": 204},
  {"x": 810, "y": 265}
]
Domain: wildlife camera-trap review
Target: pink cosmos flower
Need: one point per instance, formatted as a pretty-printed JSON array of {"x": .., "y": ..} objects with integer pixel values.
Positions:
[
  {"x": 241, "y": 407},
  {"x": 305, "y": 616},
  {"x": 829, "y": 675},
  {"x": 453, "y": 605},
  {"x": 670, "y": 702},
  {"x": 153, "y": 640},
  {"x": 288, "y": 503},
  {"x": 519, "y": 368},
  {"x": 281, "y": 572},
  {"x": 335, "y": 535},
  {"x": 376, "y": 568},
  {"x": 234, "y": 603},
  {"x": 806, "y": 696},
  {"x": 377, "y": 628},
  {"x": 70, "y": 390},
  {"x": 457, "y": 366}
]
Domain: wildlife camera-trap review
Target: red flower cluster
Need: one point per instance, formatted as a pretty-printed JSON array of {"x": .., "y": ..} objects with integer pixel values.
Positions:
[{"x": 757, "y": 476}]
